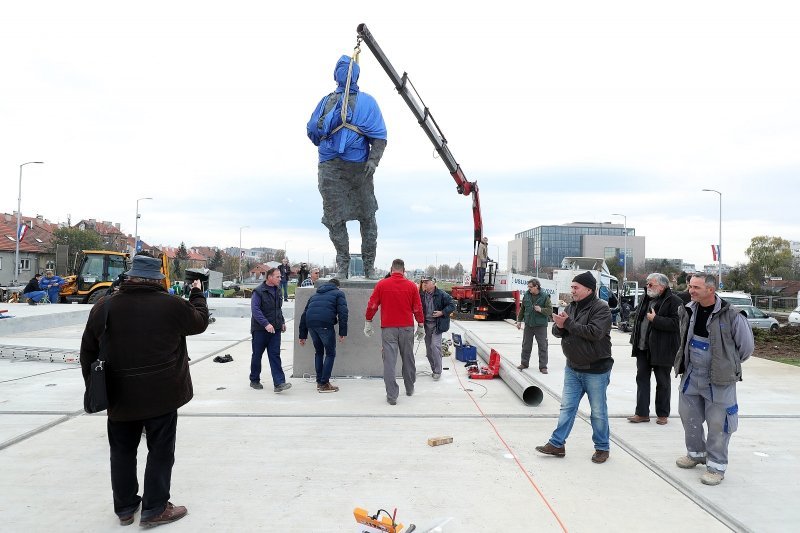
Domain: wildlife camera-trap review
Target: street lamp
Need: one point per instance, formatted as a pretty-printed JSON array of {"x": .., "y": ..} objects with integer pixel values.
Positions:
[
  {"x": 719, "y": 243},
  {"x": 285, "y": 252},
  {"x": 136, "y": 227},
  {"x": 19, "y": 218},
  {"x": 625, "y": 252},
  {"x": 241, "y": 252}
]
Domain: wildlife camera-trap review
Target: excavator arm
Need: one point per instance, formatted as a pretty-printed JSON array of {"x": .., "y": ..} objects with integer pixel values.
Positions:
[{"x": 431, "y": 128}]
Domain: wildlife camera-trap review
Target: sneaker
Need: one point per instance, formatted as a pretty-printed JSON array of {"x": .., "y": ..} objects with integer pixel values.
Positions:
[
  {"x": 170, "y": 514},
  {"x": 690, "y": 462},
  {"x": 31, "y": 302},
  {"x": 636, "y": 419},
  {"x": 436, "y": 376},
  {"x": 327, "y": 387},
  {"x": 283, "y": 386},
  {"x": 391, "y": 401},
  {"x": 549, "y": 449},
  {"x": 712, "y": 477},
  {"x": 600, "y": 456},
  {"x": 256, "y": 385}
]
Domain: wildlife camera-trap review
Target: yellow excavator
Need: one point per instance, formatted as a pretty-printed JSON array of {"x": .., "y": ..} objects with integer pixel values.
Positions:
[{"x": 95, "y": 271}]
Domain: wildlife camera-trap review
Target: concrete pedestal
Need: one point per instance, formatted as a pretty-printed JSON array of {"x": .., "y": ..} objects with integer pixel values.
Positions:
[{"x": 358, "y": 355}]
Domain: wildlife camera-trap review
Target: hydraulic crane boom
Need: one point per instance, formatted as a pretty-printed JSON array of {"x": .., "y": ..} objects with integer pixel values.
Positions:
[{"x": 434, "y": 133}]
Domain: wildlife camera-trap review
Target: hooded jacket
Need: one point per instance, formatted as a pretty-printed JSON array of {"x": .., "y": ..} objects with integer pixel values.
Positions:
[
  {"x": 362, "y": 112},
  {"x": 586, "y": 336},
  {"x": 144, "y": 343},
  {"x": 323, "y": 310}
]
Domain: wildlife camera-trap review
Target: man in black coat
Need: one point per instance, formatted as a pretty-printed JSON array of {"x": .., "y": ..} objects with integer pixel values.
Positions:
[
  {"x": 655, "y": 339},
  {"x": 141, "y": 332}
]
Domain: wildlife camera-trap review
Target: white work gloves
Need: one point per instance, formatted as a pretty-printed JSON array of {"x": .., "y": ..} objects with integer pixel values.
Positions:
[
  {"x": 420, "y": 333},
  {"x": 368, "y": 331}
]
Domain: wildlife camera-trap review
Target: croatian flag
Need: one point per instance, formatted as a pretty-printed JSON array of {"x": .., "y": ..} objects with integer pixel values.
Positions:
[
  {"x": 715, "y": 252},
  {"x": 21, "y": 232}
]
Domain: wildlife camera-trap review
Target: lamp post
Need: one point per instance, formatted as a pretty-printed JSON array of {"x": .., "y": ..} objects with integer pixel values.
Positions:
[
  {"x": 19, "y": 220},
  {"x": 624, "y": 252},
  {"x": 136, "y": 227},
  {"x": 719, "y": 243},
  {"x": 241, "y": 253},
  {"x": 285, "y": 251}
]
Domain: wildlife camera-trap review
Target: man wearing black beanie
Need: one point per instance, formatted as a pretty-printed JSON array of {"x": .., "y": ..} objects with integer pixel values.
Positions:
[{"x": 584, "y": 328}]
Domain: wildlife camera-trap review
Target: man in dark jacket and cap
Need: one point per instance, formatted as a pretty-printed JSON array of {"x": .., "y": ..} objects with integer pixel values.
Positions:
[
  {"x": 266, "y": 325},
  {"x": 348, "y": 128},
  {"x": 323, "y": 311},
  {"x": 141, "y": 332},
  {"x": 584, "y": 328},
  {"x": 655, "y": 339},
  {"x": 437, "y": 306}
]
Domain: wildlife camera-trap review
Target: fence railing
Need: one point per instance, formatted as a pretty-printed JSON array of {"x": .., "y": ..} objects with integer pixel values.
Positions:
[{"x": 775, "y": 303}]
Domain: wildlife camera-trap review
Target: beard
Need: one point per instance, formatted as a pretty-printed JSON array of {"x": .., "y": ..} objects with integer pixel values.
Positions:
[{"x": 653, "y": 293}]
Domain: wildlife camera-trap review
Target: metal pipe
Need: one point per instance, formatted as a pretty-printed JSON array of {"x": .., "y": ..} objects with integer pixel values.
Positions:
[{"x": 518, "y": 382}]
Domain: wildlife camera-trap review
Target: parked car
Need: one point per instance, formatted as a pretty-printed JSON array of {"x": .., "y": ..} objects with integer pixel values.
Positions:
[
  {"x": 794, "y": 317},
  {"x": 759, "y": 319},
  {"x": 230, "y": 285}
]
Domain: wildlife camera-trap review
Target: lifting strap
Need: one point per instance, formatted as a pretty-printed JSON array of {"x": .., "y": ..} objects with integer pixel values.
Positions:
[{"x": 346, "y": 102}]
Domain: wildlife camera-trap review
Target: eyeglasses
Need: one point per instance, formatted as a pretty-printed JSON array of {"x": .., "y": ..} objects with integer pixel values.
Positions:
[{"x": 653, "y": 285}]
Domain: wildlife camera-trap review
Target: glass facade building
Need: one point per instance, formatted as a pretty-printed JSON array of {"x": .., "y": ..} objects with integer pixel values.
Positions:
[{"x": 548, "y": 245}]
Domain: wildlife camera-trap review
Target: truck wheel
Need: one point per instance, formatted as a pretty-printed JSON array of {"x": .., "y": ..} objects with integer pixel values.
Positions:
[{"x": 96, "y": 295}]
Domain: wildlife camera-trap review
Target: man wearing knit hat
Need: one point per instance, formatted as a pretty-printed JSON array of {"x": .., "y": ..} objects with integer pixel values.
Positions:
[{"x": 584, "y": 328}]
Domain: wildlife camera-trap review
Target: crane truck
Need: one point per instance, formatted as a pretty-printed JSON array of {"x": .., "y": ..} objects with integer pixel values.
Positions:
[{"x": 474, "y": 300}]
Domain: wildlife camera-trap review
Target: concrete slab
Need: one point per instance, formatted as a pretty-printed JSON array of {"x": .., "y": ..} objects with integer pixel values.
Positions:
[{"x": 301, "y": 461}]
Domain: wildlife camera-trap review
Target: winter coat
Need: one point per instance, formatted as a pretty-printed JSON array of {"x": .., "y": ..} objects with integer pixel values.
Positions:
[
  {"x": 731, "y": 340},
  {"x": 442, "y": 302},
  {"x": 265, "y": 308},
  {"x": 32, "y": 286},
  {"x": 663, "y": 334},
  {"x": 323, "y": 310},
  {"x": 286, "y": 271},
  {"x": 532, "y": 317},
  {"x": 586, "y": 336},
  {"x": 144, "y": 344},
  {"x": 398, "y": 299}
]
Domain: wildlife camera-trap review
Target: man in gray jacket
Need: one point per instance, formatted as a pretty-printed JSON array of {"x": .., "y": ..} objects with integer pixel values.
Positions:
[
  {"x": 715, "y": 339},
  {"x": 584, "y": 328}
]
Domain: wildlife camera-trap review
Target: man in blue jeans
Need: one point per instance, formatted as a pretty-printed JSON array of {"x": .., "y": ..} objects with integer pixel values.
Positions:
[
  {"x": 584, "y": 328},
  {"x": 266, "y": 326},
  {"x": 323, "y": 310},
  {"x": 286, "y": 270}
]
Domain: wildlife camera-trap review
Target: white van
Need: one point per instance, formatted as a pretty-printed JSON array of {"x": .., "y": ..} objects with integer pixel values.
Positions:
[{"x": 735, "y": 297}]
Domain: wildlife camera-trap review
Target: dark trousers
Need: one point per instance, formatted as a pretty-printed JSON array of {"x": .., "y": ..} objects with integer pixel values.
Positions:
[
  {"x": 643, "y": 369},
  {"x": 263, "y": 340},
  {"x": 324, "y": 340},
  {"x": 123, "y": 439},
  {"x": 540, "y": 333}
]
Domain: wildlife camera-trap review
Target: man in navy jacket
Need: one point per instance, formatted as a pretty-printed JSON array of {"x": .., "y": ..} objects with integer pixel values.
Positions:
[{"x": 323, "y": 311}]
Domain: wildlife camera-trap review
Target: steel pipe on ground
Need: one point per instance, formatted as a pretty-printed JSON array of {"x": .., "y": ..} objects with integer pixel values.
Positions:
[{"x": 518, "y": 382}]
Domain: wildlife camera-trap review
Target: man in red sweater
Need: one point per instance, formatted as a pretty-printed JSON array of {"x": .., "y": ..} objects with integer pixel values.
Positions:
[{"x": 400, "y": 305}]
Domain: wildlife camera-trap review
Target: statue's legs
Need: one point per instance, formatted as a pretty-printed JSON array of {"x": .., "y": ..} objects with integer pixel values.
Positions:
[
  {"x": 341, "y": 242},
  {"x": 369, "y": 243}
]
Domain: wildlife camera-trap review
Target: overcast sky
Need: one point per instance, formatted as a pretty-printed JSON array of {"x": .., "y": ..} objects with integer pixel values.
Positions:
[{"x": 561, "y": 111}]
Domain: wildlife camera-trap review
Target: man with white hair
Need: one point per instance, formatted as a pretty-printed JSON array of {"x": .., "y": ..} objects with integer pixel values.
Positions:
[{"x": 655, "y": 339}]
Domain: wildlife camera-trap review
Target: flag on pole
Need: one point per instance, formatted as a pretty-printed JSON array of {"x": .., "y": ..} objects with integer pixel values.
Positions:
[
  {"x": 22, "y": 231},
  {"x": 715, "y": 252}
]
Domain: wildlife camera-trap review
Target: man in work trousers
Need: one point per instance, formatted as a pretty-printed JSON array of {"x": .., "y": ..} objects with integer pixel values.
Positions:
[
  {"x": 323, "y": 310},
  {"x": 437, "y": 306},
  {"x": 398, "y": 299},
  {"x": 142, "y": 330},
  {"x": 535, "y": 311},
  {"x": 483, "y": 258},
  {"x": 266, "y": 326},
  {"x": 585, "y": 331},
  {"x": 715, "y": 339},
  {"x": 656, "y": 338}
]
